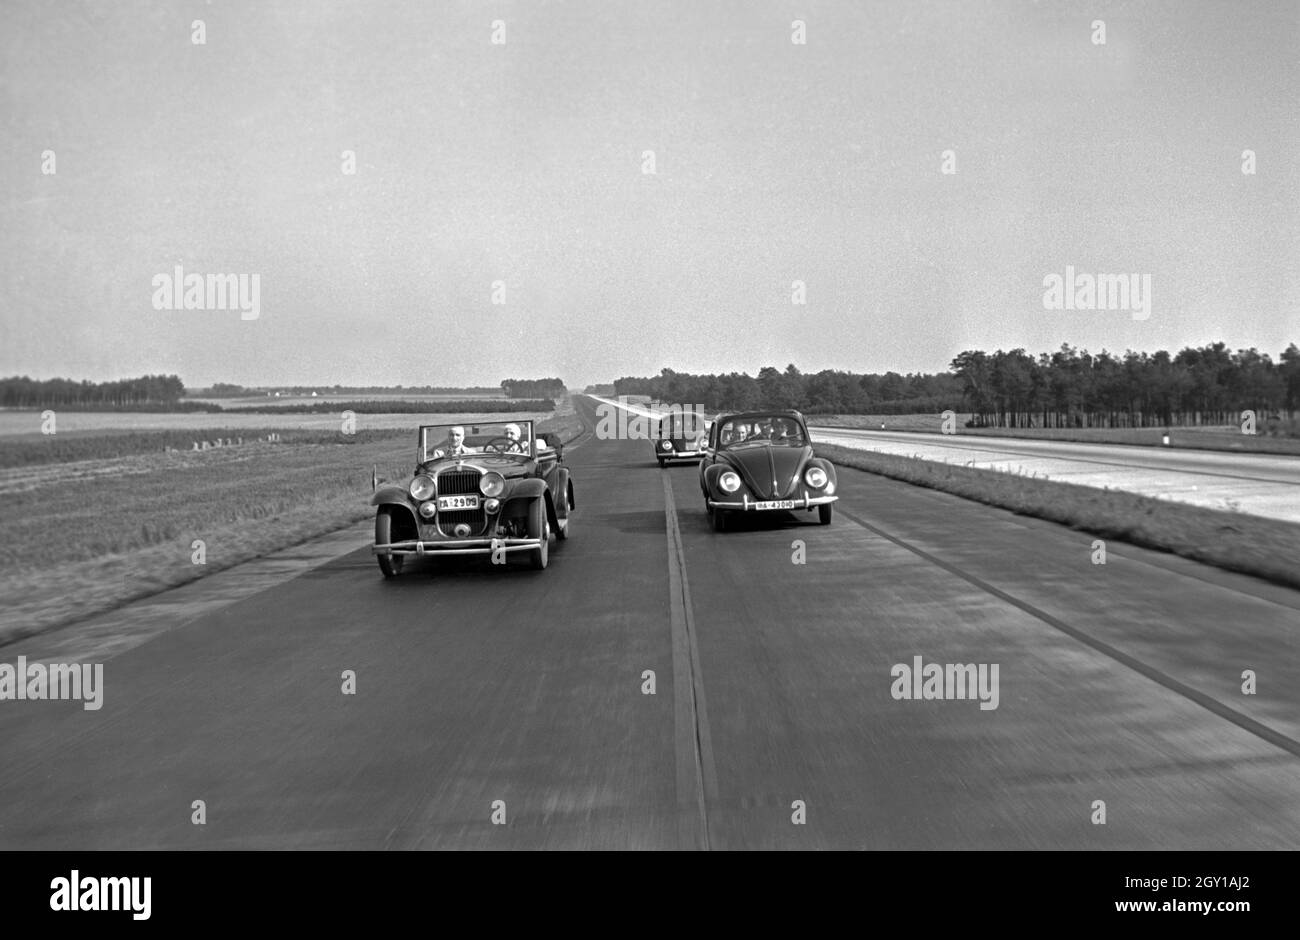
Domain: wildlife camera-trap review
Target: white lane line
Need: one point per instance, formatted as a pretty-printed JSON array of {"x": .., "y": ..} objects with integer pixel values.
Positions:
[{"x": 697, "y": 779}]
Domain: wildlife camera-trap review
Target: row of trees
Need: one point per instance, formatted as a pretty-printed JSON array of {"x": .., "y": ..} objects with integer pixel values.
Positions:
[
  {"x": 152, "y": 390},
  {"x": 825, "y": 392},
  {"x": 533, "y": 388},
  {"x": 1073, "y": 388},
  {"x": 1066, "y": 388}
]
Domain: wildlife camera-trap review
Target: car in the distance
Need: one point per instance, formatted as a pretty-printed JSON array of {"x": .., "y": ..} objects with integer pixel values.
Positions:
[
  {"x": 484, "y": 488},
  {"x": 679, "y": 434},
  {"x": 760, "y": 461}
]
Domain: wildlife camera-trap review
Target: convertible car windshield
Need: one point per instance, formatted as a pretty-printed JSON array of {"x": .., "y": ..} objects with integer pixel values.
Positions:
[
  {"x": 775, "y": 430},
  {"x": 491, "y": 437}
]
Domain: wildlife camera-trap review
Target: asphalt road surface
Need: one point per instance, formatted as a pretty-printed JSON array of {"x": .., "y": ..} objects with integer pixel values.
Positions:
[{"x": 482, "y": 691}]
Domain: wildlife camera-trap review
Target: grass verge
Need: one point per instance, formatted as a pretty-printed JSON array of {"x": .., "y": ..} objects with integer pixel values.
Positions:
[
  {"x": 1265, "y": 548},
  {"x": 1180, "y": 438},
  {"x": 80, "y": 538}
]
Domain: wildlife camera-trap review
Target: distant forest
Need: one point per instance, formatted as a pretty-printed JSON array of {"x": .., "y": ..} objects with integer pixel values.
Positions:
[
  {"x": 149, "y": 392},
  {"x": 533, "y": 388},
  {"x": 168, "y": 393},
  {"x": 1066, "y": 388}
]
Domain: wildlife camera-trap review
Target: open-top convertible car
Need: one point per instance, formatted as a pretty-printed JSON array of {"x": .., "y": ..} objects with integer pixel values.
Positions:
[
  {"x": 679, "y": 434},
  {"x": 490, "y": 488},
  {"x": 763, "y": 460}
]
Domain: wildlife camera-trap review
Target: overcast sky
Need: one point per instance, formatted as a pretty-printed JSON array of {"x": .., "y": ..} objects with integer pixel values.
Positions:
[{"x": 523, "y": 163}]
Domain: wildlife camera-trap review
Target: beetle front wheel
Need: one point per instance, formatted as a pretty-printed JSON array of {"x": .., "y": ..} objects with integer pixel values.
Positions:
[{"x": 824, "y": 513}]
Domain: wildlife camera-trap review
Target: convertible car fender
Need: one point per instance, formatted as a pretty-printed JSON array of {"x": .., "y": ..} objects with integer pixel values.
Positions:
[{"x": 394, "y": 496}]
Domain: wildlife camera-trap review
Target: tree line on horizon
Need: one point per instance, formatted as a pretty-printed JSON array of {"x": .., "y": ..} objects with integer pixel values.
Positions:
[
  {"x": 146, "y": 391},
  {"x": 533, "y": 388},
  {"x": 167, "y": 393},
  {"x": 1066, "y": 388}
]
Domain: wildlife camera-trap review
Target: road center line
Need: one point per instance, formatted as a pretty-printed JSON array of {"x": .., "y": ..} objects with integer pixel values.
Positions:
[{"x": 697, "y": 780}]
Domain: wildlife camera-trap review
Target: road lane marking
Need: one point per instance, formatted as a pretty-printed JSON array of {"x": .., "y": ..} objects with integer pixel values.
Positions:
[
  {"x": 697, "y": 780},
  {"x": 1241, "y": 720}
]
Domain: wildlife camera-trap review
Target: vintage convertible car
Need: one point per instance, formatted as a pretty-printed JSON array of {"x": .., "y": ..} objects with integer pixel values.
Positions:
[
  {"x": 763, "y": 460},
  {"x": 679, "y": 435},
  {"x": 491, "y": 488}
]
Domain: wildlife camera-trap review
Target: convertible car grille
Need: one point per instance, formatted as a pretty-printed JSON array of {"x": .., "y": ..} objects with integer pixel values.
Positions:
[{"x": 458, "y": 483}]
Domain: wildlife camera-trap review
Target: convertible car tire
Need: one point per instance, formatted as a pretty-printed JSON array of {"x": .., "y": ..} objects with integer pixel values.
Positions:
[
  {"x": 562, "y": 532},
  {"x": 824, "y": 513},
  {"x": 537, "y": 529},
  {"x": 390, "y": 565}
]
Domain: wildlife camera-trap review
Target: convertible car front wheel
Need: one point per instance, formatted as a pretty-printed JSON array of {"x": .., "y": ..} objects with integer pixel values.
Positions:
[
  {"x": 390, "y": 565},
  {"x": 537, "y": 529},
  {"x": 562, "y": 532}
]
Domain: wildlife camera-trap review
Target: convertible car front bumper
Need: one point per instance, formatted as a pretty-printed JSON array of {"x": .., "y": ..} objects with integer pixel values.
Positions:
[
  {"x": 788, "y": 505},
  {"x": 455, "y": 546}
]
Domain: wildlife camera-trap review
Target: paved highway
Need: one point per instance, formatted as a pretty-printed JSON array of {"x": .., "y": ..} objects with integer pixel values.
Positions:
[
  {"x": 772, "y": 723},
  {"x": 1259, "y": 484}
]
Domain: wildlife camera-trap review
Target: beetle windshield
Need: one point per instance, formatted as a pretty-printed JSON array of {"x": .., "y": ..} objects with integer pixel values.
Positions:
[
  {"x": 510, "y": 438},
  {"x": 777, "y": 429}
]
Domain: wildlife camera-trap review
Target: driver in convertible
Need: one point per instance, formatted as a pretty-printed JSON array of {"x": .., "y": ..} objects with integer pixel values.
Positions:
[{"x": 454, "y": 445}]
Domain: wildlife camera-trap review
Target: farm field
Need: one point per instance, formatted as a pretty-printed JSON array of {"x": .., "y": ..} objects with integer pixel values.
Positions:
[
  {"x": 28, "y": 423},
  {"x": 271, "y": 401},
  {"x": 125, "y": 527}
]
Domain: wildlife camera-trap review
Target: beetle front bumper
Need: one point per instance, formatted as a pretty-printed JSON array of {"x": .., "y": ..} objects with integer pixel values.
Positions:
[
  {"x": 802, "y": 502},
  {"x": 455, "y": 546}
]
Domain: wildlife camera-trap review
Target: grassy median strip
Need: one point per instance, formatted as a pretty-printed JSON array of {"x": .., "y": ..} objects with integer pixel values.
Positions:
[
  {"x": 1265, "y": 548},
  {"x": 80, "y": 538}
]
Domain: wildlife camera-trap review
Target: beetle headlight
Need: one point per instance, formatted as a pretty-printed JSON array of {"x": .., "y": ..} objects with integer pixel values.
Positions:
[
  {"x": 492, "y": 484},
  {"x": 667, "y": 445},
  {"x": 423, "y": 487},
  {"x": 729, "y": 482},
  {"x": 815, "y": 477}
]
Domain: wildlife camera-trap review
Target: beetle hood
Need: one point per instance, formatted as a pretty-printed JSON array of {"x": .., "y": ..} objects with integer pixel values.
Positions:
[{"x": 770, "y": 472}]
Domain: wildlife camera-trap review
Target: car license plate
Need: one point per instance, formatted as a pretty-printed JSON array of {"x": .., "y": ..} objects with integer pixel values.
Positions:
[
  {"x": 775, "y": 504},
  {"x": 448, "y": 503}
]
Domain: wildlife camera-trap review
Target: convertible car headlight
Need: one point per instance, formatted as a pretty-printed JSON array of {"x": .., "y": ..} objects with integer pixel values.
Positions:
[
  {"x": 422, "y": 487},
  {"x": 492, "y": 484},
  {"x": 815, "y": 477},
  {"x": 729, "y": 482}
]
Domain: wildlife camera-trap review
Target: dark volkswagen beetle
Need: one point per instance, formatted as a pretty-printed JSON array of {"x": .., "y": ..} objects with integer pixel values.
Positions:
[
  {"x": 679, "y": 434},
  {"x": 490, "y": 488},
  {"x": 763, "y": 460}
]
